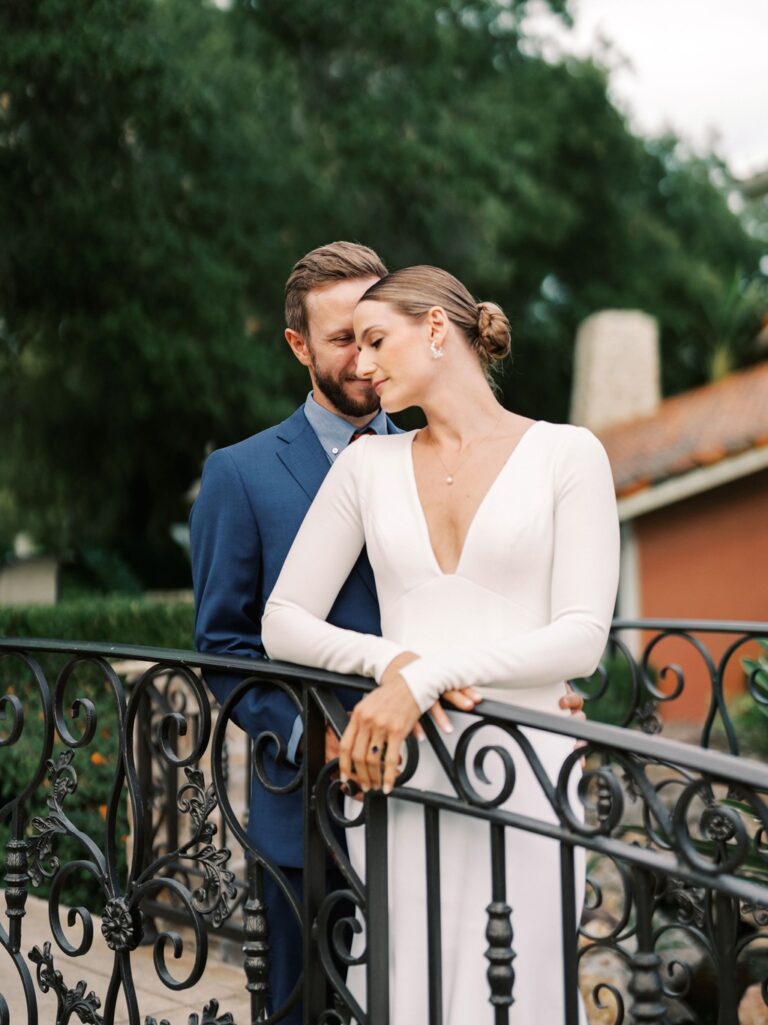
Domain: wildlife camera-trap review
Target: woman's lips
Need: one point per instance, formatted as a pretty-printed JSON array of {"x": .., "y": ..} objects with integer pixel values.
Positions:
[{"x": 378, "y": 384}]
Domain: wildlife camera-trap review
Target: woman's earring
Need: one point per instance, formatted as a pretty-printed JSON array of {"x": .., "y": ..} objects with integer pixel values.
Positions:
[{"x": 437, "y": 353}]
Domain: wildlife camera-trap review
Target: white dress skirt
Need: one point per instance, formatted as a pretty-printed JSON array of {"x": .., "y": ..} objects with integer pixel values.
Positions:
[
  {"x": 532, "y": 892},
  {"x": 528, "y": 606}
]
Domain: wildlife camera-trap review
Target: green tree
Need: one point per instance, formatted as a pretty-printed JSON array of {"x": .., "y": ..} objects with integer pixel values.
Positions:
[
  {"x": 451, "y": 144},
  {"x": 164, "y": 163},
  {"x": 124, "y": 287}
]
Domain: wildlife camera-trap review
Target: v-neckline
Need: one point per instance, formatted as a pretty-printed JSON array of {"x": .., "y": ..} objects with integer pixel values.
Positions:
[{"x": 478, "y": 510}]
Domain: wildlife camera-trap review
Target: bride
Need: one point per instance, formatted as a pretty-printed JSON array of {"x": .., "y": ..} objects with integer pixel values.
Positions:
[{"x": 494, "y": 543}]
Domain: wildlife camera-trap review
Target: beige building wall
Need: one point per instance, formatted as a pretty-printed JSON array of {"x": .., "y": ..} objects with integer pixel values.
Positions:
[{"x": 29, "y": 582}]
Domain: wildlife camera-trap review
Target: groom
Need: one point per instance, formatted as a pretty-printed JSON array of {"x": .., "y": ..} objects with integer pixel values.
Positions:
[{"x": 253, "y": 498}]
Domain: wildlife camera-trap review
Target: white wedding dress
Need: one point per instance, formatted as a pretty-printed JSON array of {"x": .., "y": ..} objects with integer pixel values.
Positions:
[{"x": 528, "y": 606}]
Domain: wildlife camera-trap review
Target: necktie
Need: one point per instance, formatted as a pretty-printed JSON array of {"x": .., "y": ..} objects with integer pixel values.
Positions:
[{"x": 359, "y": 434}]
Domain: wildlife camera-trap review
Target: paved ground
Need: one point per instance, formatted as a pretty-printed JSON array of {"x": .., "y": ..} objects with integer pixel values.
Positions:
[{"x": 223, "y": 981}]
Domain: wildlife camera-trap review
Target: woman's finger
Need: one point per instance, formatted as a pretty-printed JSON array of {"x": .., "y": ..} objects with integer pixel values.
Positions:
[
  {"x": 391, "y": 762},
  {"x": 418, "y": 732},
  {"x": 460, "y": 699},
  {"x": 374, "y": 757},
  {"x": 347, "y": 742},
  {"x": 360, "y": 756},
  {"x": 440, "y": 716}
]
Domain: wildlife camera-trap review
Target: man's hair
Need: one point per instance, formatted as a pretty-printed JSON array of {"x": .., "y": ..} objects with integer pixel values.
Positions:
[{"x": 338, "y": 261}]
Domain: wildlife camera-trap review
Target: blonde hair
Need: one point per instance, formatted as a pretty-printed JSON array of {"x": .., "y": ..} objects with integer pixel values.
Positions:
[
  {"x": 338, "y": 261},
  {"x": 413, "y": 291}
]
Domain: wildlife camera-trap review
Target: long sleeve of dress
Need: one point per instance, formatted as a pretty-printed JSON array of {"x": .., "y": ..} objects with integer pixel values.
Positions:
[
  {"x": 585, "y": 567},
  {"x": 320, "y": 560}
]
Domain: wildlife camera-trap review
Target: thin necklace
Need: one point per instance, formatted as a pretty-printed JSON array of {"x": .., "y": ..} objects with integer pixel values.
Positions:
[{"x": 450, "y": 475}]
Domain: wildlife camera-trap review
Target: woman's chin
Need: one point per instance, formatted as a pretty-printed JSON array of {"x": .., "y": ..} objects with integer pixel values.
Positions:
[{"x": 390, "y": 403}]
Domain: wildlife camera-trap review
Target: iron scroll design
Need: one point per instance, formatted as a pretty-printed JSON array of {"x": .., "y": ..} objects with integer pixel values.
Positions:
[
  {"x": 654, "y": 666},
  {"x": 675, "y": 836}
]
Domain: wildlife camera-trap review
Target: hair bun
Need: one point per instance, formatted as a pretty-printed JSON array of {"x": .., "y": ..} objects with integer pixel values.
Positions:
[{"x": 494, "y": 336}]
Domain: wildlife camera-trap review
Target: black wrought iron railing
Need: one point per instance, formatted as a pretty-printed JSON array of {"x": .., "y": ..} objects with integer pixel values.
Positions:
[{"x": 673, "y": 928}]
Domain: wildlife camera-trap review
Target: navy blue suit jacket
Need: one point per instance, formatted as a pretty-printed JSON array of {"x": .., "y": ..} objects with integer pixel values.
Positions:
[{"x": 253, "y": 498}]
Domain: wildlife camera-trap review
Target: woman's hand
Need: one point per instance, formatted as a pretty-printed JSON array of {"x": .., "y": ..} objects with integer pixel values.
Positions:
[
  {"x": 377, "y": 727},
  {"x": 371, "y": 743},
  {"x": 466, "y": 698}
]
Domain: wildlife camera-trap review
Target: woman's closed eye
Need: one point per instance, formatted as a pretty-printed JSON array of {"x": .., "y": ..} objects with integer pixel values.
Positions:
[{"x": 374, "y": 344}]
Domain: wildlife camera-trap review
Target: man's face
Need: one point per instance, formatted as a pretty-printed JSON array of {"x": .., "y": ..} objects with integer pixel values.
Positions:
[{"x": 330, "y": 352}]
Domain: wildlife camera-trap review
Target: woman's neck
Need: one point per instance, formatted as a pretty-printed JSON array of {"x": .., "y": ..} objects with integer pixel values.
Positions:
[{"x": 460, "y": 412}]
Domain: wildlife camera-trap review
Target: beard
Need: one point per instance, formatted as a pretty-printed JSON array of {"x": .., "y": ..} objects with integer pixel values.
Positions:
[{"x": 347, "y": 405}]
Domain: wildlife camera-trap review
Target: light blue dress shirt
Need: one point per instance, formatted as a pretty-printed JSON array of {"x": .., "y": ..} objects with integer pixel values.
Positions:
[{"x": 334, "y": 434}]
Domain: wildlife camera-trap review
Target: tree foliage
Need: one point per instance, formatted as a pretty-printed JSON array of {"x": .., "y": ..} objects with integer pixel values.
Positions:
[{"x": 164, "y": 162}]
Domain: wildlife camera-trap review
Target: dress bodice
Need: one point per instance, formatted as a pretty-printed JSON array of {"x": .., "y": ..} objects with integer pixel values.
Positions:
[{"x": 528, "y": 605}]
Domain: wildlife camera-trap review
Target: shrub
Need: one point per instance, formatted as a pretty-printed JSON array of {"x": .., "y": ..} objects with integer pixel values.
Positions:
[{"x": 117, "y": 619}]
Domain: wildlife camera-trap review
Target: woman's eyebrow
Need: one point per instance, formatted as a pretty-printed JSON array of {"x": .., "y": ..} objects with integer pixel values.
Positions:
[{"x": 372, "y": 327}]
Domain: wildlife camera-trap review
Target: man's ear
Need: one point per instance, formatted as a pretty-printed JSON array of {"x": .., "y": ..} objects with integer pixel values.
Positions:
[{"x": 299, "y": 347}]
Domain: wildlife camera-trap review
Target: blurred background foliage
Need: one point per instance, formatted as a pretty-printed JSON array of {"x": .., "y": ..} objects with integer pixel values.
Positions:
[{"x": 164, "y": 163}]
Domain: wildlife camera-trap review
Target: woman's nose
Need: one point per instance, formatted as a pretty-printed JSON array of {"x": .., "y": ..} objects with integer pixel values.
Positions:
[{"x": 364, "y": 365}]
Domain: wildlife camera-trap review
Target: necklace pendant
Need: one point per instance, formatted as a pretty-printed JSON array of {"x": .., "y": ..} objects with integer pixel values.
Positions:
[{"x": 449, "y": 479}]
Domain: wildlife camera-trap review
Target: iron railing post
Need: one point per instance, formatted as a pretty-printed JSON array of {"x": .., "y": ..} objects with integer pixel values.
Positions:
[
  {"x": 377, "y": 907},
  {"x": 645, "y": 985},
  {"x": 315, "y": 987}
]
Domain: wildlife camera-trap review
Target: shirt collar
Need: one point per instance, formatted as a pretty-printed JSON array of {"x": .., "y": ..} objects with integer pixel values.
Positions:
[{"x": 334, "y": 432}]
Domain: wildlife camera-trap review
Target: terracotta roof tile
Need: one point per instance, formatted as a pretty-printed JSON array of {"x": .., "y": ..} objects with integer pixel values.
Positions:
[{"x": 697, "y": 428}]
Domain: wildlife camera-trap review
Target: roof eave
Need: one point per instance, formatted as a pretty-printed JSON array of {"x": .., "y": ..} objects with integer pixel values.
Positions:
[{"x": 703, "y": 478}]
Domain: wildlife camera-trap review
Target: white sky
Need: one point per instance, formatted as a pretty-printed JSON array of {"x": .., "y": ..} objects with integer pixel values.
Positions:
[{"x": 699, "y": 67}]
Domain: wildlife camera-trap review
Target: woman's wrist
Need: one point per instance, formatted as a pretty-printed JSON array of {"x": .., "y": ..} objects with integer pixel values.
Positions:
[
  {"x": 398, "y": 663},
  {"x": 420, "y": 681}
]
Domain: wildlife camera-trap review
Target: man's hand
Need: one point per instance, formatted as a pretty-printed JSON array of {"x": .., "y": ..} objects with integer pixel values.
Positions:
[{"x": 573, "y": 701}]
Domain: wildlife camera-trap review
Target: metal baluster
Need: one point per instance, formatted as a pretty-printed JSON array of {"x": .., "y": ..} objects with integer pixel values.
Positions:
[
  {"x": 725, "y": 931},
  {"x": 144, "y": 774},
  {"x": 500, "y": 974},
  {"x": 645, "y": 985},
  {"x": 248, "y": 777},
  {"x": 434, "y": 923},
  {"x": 16, "y": 879},
  {"x": 256, "y": 944},
  {"x": 225, "y": 776},
  {"x": 315, "y": 984},
  {"x": 377, "y": 907},
  {"x": 570, "y": 935}
]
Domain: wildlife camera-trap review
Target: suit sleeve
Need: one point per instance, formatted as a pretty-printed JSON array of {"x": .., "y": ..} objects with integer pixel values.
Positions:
[
  {"x": 226, "y": 552},
  {"x": 323, "y": 554},
  {"x": 585, "y": 571}
]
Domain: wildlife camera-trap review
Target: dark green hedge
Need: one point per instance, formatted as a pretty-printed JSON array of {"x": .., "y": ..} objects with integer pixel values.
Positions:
[{"x": 119, "y": 620}]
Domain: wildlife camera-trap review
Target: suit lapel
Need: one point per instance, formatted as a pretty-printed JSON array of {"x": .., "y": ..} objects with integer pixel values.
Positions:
[{"x": 302, "y": 454}]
